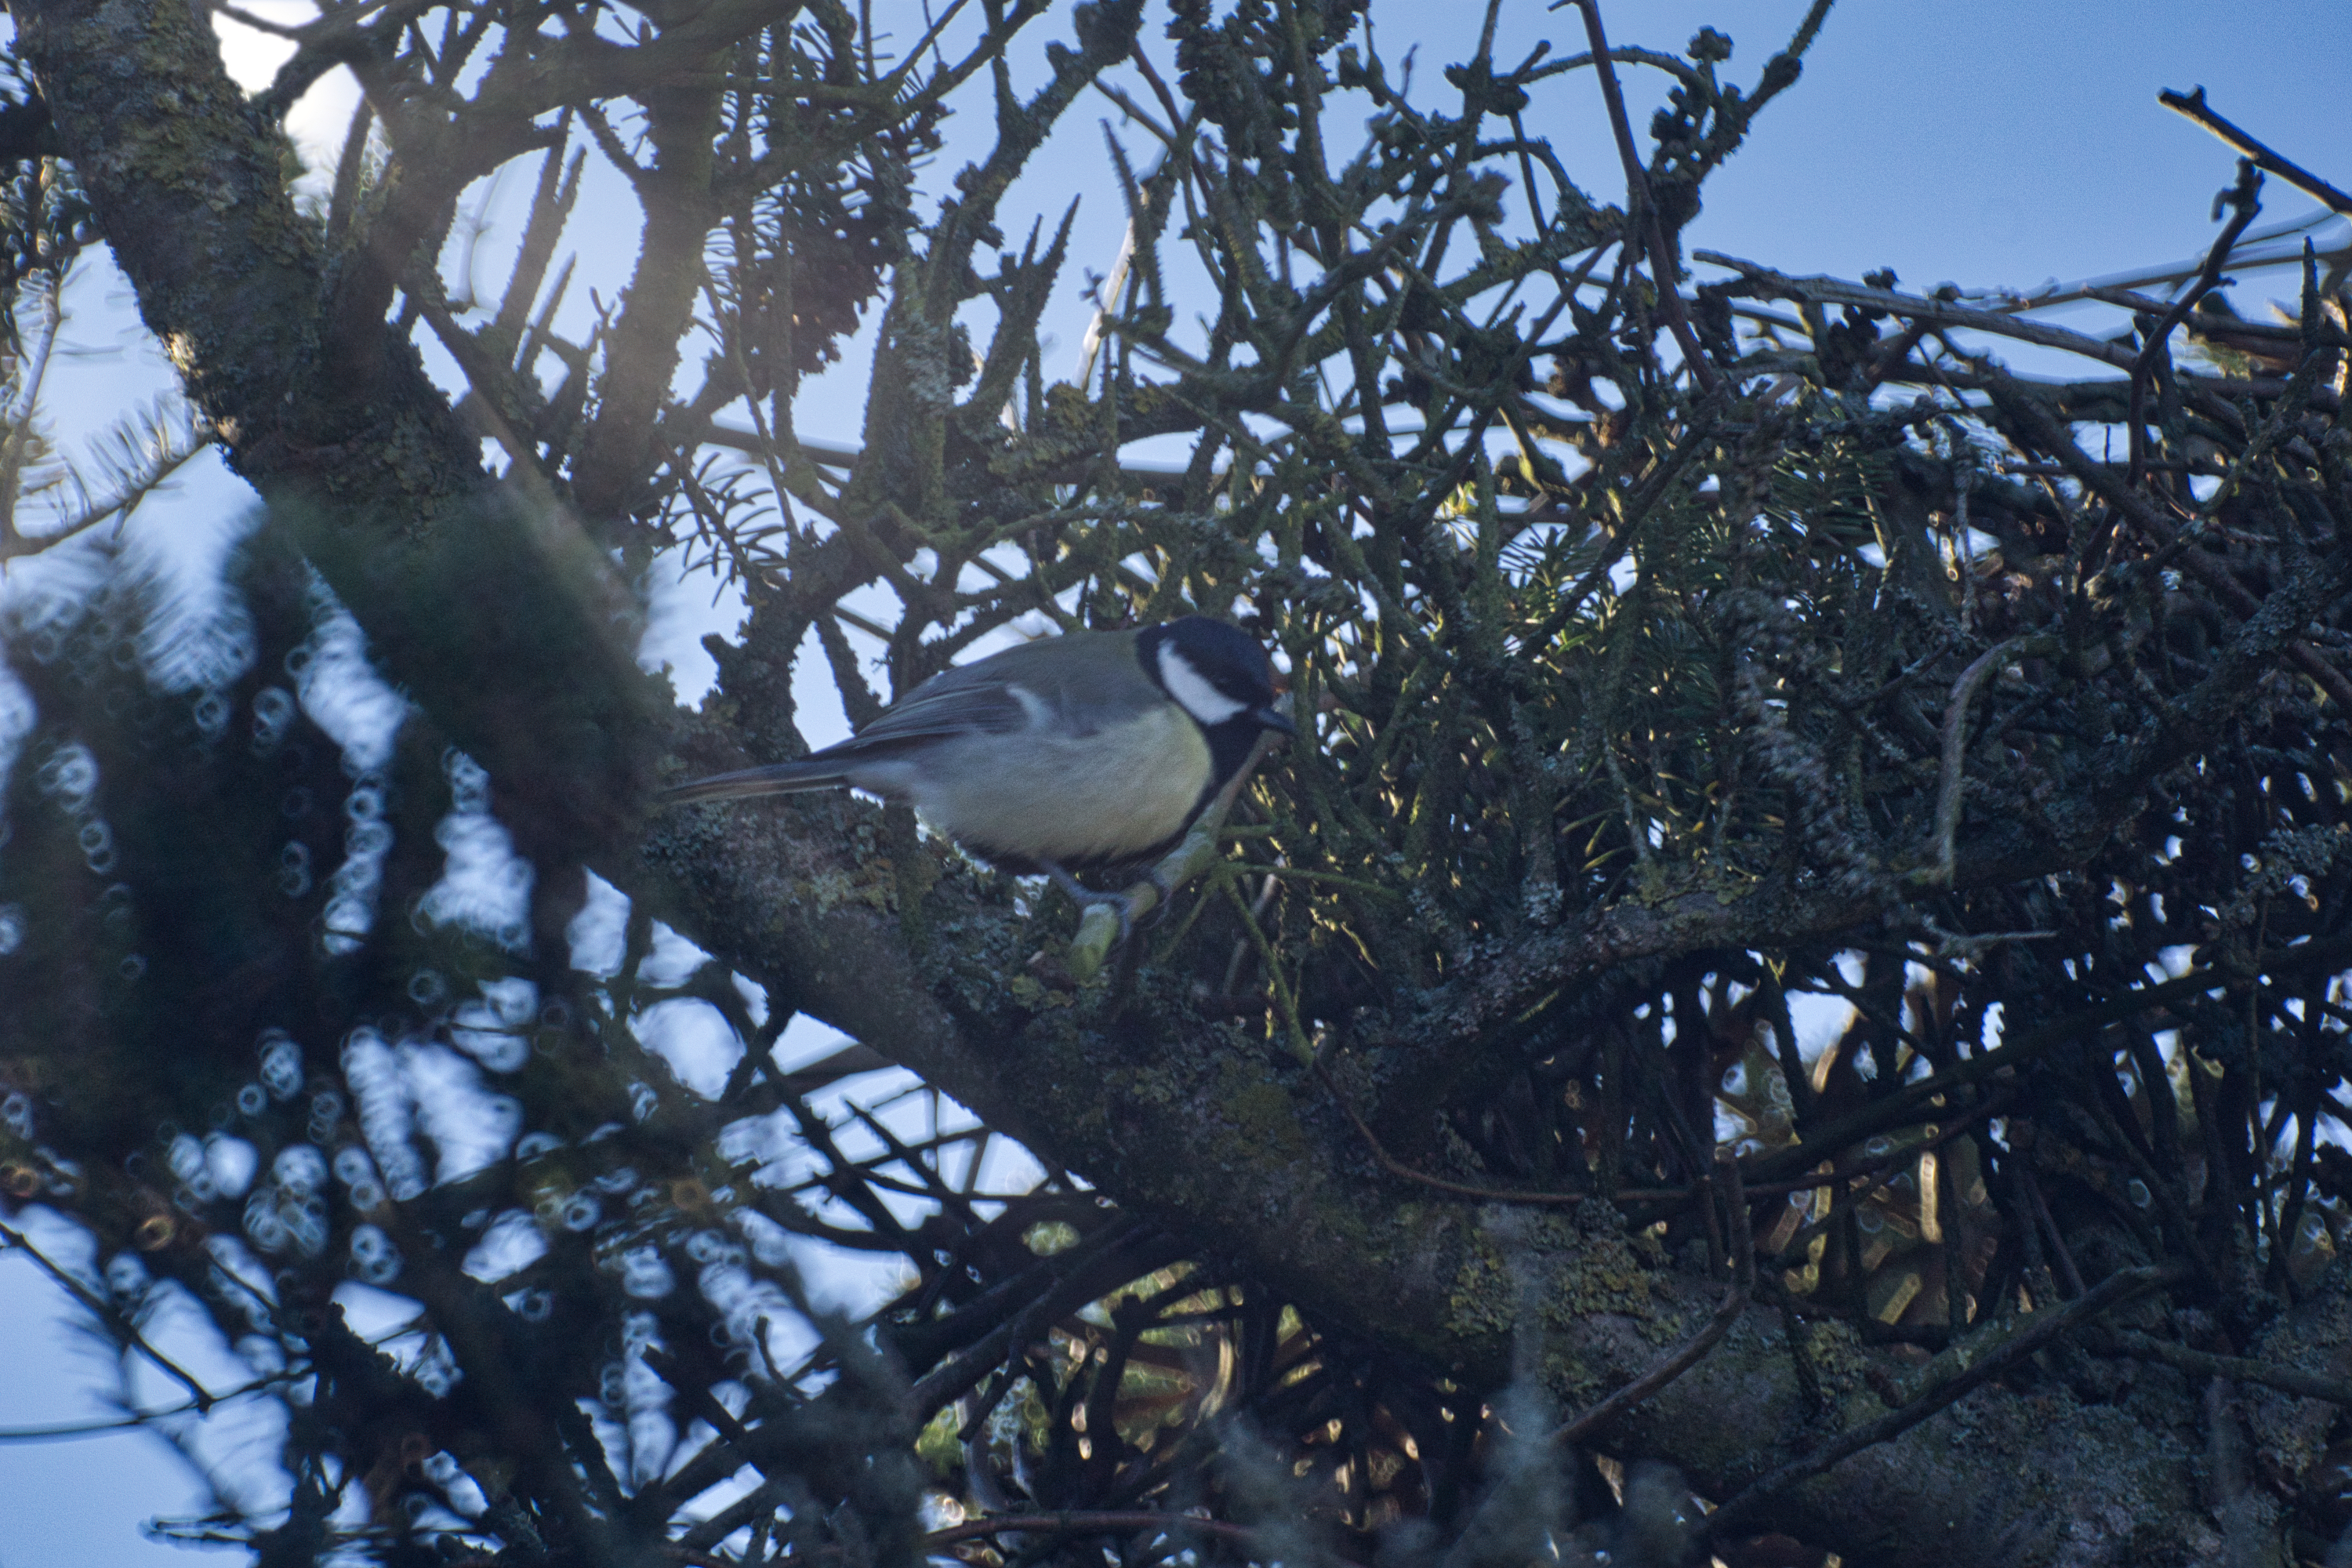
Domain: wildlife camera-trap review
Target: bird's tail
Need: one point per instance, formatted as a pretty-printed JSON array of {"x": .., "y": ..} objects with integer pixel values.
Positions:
[{"x": 779, "y": 778}]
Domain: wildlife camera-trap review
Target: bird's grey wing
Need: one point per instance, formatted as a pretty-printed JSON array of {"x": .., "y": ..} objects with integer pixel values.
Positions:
[
  {"x": 1079, "y": 682},
  {"x": 962, "y": 701},
  {"x": 959, "y": 702}
]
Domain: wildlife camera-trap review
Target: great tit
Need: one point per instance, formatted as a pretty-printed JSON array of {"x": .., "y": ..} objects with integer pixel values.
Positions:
[{"x": 1075, "y": 753}]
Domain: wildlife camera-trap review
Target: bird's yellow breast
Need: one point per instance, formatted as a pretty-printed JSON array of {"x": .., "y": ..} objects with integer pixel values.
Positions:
[{"x": 1107, "y": 796}]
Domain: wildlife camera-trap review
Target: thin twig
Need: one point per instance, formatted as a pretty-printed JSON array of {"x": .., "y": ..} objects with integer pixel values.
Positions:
[
  {"x": 1956, "y": 743},
  {"x": 1872, "y": 1173},
  {"x": 2011, "y": 1345},
  {"x": 1938, "y": 312},
  {"x": 2245, "y": 200},
  {"x": 2172, "y": 272},
  {"x": 66, "y": 1431},
  {"x": 1637, "y": 191},
  {"x": 202, "y": 1398},
  {"x": 1687, "y": 1354},
  {"x": 1904, "y": 1104},
  {"x": 2071, "y": 1276},
  {"x": 1098, "y": 927},
  {"x": 2193, "y": 105},
  {"x": 2108, "y": 486},
  {"x": 2238, "y": 1369},
  {"x": 1399, "y": 1168},
  {"x": 1300, "y": 1047}
]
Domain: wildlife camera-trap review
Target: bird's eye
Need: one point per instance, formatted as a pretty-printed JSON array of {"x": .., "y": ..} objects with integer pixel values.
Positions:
[{"x": 1199, "y": 696}]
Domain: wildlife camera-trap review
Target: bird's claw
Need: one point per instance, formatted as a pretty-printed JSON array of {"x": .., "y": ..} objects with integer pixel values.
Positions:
[{"x": 1087, "y": 898}]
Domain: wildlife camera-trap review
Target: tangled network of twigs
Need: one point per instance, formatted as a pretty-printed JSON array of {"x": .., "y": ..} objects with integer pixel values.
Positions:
[{"x": 1781, "y": 812}]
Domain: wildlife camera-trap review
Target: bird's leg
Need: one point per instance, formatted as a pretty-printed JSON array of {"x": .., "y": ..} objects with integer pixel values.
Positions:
[
  {"x": 1165, "y": 888},
  {"x": 1084, "y": 897}
]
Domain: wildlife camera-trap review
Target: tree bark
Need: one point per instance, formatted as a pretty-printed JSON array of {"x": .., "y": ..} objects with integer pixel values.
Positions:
[{"x": 496, "y": 611}]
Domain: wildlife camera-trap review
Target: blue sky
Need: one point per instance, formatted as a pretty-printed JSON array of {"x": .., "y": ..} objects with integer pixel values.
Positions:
[
  {"x": 2005, "y": 142},
  {"x": 2000, "y": 144}
]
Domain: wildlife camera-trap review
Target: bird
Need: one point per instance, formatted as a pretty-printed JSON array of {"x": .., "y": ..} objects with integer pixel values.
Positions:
[{"x": 1071, "y": 754}]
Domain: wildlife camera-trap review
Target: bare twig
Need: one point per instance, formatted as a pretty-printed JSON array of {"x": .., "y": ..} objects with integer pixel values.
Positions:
[
  {"x": 1098, "y": 927},
  {"x": 1956, "y": 740},
  {"x": 1687, "y": 1354},
  {"x": 1906, "y": 1103},
  {"x": 1910, "y": 307},
  {"x": 1882, "y": 1167},
  {"x": 2249, "y": 259},
  {"x": 2110, "y": 487},
  {"x": 2069, "y": 1274},
  {"x": 199, "y": 1395},
  {"x": 2008, "y": 1346},
  {"x": 2238, "y": 1369},
  {"x": 1399, "y": 1168},
  {"x": 1646, "y": 208},
  {"x": 2245, "y": 200},
  {"x": 2192, "y": 104}
]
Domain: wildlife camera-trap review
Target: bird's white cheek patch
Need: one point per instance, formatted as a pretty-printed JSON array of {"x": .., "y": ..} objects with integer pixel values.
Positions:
[{"x": 1192, "y": 688}]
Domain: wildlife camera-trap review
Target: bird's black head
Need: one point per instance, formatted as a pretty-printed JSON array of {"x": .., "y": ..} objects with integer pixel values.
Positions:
[{"x": 1216, "y": 672}]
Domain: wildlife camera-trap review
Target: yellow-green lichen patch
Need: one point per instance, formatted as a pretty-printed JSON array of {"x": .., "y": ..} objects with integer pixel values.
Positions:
[
  {"x": 1839, "y": 1361},
  {"x": 1485, "y": 1299},
  {"x": 1032, "y": 994},
  {"x": 829, "y": 889},
  {"x": 1264, "y": 1113},
  {"x": 1595, "y": 1269}
]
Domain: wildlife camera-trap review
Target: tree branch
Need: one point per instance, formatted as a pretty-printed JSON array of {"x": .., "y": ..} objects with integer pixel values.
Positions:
[{"x": 2193, "y": 105}]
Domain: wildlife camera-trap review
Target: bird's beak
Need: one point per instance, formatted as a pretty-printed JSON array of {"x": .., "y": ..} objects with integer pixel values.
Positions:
[{"x": 1268, "y": 718}]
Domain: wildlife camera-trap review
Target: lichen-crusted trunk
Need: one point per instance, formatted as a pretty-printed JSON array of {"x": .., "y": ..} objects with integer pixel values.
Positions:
[{"x": 1228, "y": 1141}]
